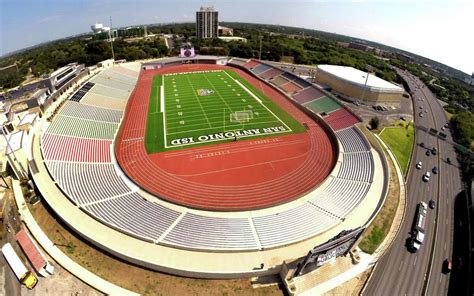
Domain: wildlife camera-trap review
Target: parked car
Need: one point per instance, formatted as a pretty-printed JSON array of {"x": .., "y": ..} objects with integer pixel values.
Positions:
[
  {"x": 419, "y": 164},
  {"x": 435, "y": 170},
  {"x": 432, "y": 204}
]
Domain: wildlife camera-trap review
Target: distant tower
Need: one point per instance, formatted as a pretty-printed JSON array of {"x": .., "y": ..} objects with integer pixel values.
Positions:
[{"x": 207, "y": 23}]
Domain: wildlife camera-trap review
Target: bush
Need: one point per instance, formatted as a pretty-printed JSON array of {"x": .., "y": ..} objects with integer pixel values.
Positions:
[{"x": 374, "y": 123}]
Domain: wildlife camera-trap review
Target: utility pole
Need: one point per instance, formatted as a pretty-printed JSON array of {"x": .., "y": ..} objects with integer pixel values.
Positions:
[
  {"x": 111, "y": 39},
  {"x": 369, "y": 69},
  {"x": 260, "y": 51}
]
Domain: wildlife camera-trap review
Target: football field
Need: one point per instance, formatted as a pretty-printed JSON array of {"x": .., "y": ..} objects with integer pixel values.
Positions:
[{"x": 198, "y": 108}]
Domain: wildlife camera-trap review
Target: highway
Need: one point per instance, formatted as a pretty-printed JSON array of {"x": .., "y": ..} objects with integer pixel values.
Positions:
[{"x": 400, "y": 272}]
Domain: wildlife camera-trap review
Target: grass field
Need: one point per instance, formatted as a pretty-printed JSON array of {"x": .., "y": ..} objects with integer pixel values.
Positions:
[
  {"x": 400, "y": 140},
  {"x": 199, "y": 108}
]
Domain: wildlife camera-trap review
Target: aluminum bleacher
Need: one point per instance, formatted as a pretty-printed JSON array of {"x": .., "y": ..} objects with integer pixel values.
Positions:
[
  {"x": 82, "y": 128},
  {"x": 78, "y": 110},
  {"x": 292, "y": 225},
  {"x": 121, "y": 213},
  {"x": 87, "y": 182},
  {"x": 352, "y": 140},
  {"x": 196, "y": 231},
  {"x": 357, "y": 166}
]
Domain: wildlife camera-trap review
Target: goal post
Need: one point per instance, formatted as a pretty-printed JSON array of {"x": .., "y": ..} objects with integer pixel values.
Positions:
[{"x": 241, "y": 116}]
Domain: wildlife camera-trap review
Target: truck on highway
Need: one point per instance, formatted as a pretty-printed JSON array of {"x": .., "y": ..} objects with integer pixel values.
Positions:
[
  {"x": 418, "y": 230},
  {"x": 25, "y": 276}
]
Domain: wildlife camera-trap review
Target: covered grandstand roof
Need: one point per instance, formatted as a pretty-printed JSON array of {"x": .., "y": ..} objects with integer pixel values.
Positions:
[{"x": 359, "y": 77}]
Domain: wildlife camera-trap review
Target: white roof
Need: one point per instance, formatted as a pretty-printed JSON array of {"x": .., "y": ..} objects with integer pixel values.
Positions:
[
  {"x": 28, "y": 119},
  {"x": 359, "y": 77},
  {"x": 15, "y": 140}
]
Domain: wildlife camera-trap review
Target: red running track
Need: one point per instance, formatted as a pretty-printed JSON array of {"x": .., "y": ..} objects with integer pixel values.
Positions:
[{"x": 243, "y": 175}]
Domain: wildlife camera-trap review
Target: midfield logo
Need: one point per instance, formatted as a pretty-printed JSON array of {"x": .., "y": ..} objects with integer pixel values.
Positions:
[{"x": 204, "y": 92}]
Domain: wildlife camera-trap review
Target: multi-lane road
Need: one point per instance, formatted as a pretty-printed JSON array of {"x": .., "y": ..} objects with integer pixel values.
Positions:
[{"x": 400, "y": 272}]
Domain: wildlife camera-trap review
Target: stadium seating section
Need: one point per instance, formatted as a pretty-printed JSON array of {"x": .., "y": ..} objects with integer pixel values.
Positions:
[{"x": 77, "y": 149}]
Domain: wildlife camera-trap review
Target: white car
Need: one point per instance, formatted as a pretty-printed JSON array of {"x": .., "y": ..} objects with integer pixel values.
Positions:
[
  {"x": 419, "y": 164},
  {"x": 426, "y": 177}
]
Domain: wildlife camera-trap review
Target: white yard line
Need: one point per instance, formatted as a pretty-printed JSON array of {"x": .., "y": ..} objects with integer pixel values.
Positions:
[
  {"x": 257, "y": 99},
  {"x": 199, "y": 101},
  {"x": 164, "y": 112}
]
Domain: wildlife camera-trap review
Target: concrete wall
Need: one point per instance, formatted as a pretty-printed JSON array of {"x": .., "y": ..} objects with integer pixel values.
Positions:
[{"x": 349, "y": 89}]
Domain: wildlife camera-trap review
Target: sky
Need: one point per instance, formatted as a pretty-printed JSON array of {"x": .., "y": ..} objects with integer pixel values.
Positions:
[{"x": 441, "y": 30}]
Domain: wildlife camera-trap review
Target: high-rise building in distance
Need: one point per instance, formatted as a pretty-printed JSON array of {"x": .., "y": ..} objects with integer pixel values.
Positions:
[{"x": 207, "y": 23}]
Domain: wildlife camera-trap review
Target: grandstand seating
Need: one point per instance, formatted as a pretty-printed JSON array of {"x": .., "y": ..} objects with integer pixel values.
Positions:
[
  {"x": 78, "y": 110},
  {"x": 302, "y": 83},
  {"x": 104, "y": 102},
  {"x": 135, "y": 215},
  {"x": 279, "y": 80},
  {"x": 352, "y": 140},
  {"x": 288, "y": 76},
  {"x": 82, "y": 128},
  {"x": 196, "y": 231},
  {"x": 251, "y": 64},
  {"x": 238, "y": 61},
  {"x": 87, "y": 182},
  {"x": 111, "y": 92},
  {"x": 290, "y": 87},
  {"x": 323, "y": 104},
  {"x": 66, "y": 148},
  {"x": 357, "y": 166},
  {"x": 260, "y": 68},
  {"x": 341, "y": 196},
  {"x": 340, "y": 119},
  {"x": 270, "y": 73},
  {"x": 308, "y": 94},
  {"x": 77, "y": 96},
  {"x": 280, "y": 228}
]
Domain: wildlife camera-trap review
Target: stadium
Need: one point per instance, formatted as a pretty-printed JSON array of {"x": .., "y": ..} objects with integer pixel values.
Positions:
[{"x": 209, "y": 167}]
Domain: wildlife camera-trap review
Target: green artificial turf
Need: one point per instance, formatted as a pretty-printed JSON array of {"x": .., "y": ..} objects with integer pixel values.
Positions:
[{"x": 198, "y": 107}]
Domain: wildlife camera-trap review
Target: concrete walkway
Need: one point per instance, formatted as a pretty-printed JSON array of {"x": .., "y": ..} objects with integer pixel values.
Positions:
[{"x": 63, "y": 260}]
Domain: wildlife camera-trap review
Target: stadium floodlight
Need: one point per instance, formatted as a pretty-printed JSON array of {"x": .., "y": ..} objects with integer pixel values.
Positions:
[{"x": 111, "y": 39}]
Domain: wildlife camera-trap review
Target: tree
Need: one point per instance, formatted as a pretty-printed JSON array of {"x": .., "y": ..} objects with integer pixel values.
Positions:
[{"x": 374, "y": 123}]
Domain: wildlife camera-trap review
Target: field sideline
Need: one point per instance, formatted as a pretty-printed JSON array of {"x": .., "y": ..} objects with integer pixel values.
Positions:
[{"x": 210, "y": 106}]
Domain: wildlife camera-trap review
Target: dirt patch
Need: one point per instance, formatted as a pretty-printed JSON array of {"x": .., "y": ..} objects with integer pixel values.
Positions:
[{"x": 131, "y": 277}]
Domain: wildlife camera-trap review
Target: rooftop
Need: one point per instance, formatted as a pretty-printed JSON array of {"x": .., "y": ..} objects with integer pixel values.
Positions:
[{"x": 359, "y": 77}]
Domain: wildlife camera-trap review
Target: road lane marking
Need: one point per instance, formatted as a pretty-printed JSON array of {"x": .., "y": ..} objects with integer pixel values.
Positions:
[
  {"x": 414, "y": 263},
  {"x": 400, "y": 267},
  {"x": 444, "y": 245}
]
